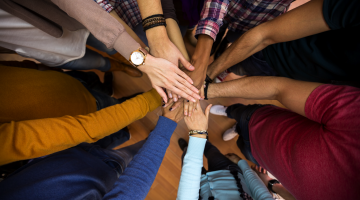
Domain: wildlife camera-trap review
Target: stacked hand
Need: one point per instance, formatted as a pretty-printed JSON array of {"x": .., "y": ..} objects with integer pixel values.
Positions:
[
  {"x": 199, "y": 120},
  {"x": 164, "y": 74},
  {"x": 162, "y": 47}
]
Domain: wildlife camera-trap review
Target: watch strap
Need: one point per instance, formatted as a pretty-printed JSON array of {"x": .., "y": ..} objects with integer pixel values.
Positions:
[{"x": 271, "y": 183}]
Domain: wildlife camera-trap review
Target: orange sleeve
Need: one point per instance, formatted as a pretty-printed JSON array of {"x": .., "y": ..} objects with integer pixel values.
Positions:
[{"x": 34, "y": 138}]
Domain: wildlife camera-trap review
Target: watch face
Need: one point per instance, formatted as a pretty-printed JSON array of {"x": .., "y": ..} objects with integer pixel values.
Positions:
[{"x": 137, "y": 58}]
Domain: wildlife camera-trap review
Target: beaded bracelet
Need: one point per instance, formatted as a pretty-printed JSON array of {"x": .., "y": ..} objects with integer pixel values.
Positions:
[{"x": 197, "y": 132}]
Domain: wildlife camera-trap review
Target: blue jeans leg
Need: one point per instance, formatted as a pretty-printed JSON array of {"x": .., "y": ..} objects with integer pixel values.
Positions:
[
  {"x": 82, "y": 172},
  {"x": 242, "y": 115},
  {"x": 91, "y": 60}
]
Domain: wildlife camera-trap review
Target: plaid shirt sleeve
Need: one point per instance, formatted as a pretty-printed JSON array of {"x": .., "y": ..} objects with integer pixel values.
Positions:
[
  {"x": 211, "y": 18},
  {"x": 105, "y": 4}
]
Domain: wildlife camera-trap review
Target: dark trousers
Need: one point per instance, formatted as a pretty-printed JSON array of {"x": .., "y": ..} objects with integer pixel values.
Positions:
[
  {"x": 216, "y": 160},
  {"x": 242, "y": 115},
  {"x": 93, "y": 84},
  {"x": 86, "y": 171}
]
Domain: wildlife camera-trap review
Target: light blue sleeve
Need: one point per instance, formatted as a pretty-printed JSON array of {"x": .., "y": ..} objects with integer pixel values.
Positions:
[
  {"x": 257, "y": 188},
  {"x": 191, "y": 170}
]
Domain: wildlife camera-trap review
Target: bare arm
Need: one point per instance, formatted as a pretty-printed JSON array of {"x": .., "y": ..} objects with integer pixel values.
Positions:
[
  {"x": 175, "y": 36},
  {"x": 291, "y": 93},
  {"x": 298, "y": 23}
]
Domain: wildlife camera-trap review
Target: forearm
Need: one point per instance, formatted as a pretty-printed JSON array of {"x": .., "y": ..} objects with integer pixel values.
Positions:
[
  {"x": 104, "y": 27},
  {"x": 35, "y": 138},
  {"x": 175, "y": 36},
  {"x": 191, "y": 170},
  {"x": 291, "y": 93},
  {"x": 128, "y": 29},
  {"x": 200, "y": 59},
  {"x": 137, "y": 178},
  {"x": 249, "y": 43},
  {"x": 256, "y": 186},
  {"x": 301, "y": 22},
  {"x": 283, "y": 192}
]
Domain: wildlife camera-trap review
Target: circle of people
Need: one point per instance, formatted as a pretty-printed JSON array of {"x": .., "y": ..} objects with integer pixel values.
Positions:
[{"x": 59, "y": 128}]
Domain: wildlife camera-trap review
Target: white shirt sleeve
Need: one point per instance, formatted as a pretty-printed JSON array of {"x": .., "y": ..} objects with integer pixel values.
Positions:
[{"x": 191, "y": 170}]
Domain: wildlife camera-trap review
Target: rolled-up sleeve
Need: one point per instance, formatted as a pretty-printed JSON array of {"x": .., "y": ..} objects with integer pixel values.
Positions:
[{"x": 212, "y": 16}]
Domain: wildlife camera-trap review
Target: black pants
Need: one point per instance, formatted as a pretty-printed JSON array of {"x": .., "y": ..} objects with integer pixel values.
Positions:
[
  {"x": 216, "y": 160},
  {"x": 242, "y": 115}
]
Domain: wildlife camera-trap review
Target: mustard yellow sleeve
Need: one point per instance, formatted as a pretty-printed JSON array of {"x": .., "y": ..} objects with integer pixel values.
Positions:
[{"x": 34, "y": 138}]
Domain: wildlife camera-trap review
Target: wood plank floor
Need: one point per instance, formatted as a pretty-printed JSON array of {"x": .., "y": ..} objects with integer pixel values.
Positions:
[{"x": 167, "y": 180}]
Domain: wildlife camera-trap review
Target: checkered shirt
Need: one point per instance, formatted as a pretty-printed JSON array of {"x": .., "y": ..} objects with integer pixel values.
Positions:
[
  {"x": 240, "y": 15},
  {"x": 127, "y": 10}
]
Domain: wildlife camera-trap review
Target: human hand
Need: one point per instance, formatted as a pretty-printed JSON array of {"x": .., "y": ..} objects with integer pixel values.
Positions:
[
  {"x": 175, "y": 115},
  {"x": 199, "y": 120},
  {"x": 164, "y": 74},
  {"x": 262, "y": 173},
  {"x": 161, "y": 47},
  {"x": 233, "y": 157}
]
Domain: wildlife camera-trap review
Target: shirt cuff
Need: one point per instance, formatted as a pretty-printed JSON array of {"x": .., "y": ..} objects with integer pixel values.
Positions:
[
  {"x": 105, "y": 5},
  {"x": 207, "y": 27}
]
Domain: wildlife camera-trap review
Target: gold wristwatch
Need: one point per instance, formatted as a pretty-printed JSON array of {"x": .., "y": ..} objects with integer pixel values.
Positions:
[{"x": 138, "y": 57}]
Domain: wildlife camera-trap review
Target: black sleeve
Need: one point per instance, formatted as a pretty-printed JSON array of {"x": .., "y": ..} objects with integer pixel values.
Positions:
[
  {"x": 169, "y": 9},
  {"x": 340, "y": 14}
]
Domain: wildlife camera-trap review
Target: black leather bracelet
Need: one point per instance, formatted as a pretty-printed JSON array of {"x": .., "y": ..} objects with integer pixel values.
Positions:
[
  {"x": 208, "y": 79},
  {"x": 271, "y": 183},
  {"x": 206, "y": 89},
  {"x": 155, "y": 25},
  {"x": 152, "y": 16}
]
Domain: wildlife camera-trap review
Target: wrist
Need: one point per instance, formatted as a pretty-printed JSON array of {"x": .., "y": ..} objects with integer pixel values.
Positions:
[
  {"x": 149, "y": 61},
  {"x": 272, "y": 184},
  {"x": 203, "y": 48},
  {"x": 156, "y": 35}
]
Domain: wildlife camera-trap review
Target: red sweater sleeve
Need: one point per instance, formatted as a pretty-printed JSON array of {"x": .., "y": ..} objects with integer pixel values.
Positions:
[{"x": 316, "y": 157}]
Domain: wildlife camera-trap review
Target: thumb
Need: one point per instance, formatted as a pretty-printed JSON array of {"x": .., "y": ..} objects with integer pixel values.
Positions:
[
  {"x": 161, "y": 93},
  {"x": 186, "y": 63},
  {"x": 207, "y": 111}
]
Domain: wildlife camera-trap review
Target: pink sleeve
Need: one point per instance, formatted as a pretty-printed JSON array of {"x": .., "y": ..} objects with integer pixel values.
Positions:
[
  {"x": 336, "y": 107},
  {"x": 102, "y": 25}
]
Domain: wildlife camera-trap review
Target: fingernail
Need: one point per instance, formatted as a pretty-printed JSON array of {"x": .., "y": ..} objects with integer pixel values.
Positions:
[
  {"x": 179, "y": 97},
  {"x": 185, "y": 113},
  {"x": 187, "y": 100},
  {"x": 193, "y": 100},
  {"x": 192, "y": 67},
  {"x": 175, "y": 100},
  {"x": 201, "y": 98},
  {"x": 170, "y": 109},
  {"x": 170, "y": 95}
]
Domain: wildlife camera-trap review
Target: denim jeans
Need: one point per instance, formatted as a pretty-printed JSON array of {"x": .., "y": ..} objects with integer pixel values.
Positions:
[
  {"x": 83, "y": 172},
  {"x": 242, "y": 115},
  {"x": 93, "y": 84},
  {"x": 216, "y": 160},
  {"x": 91, "y": 59}
]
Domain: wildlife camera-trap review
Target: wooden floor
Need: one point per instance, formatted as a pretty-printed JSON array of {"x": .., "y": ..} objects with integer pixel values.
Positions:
[{"x": 167, "y": 180}]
